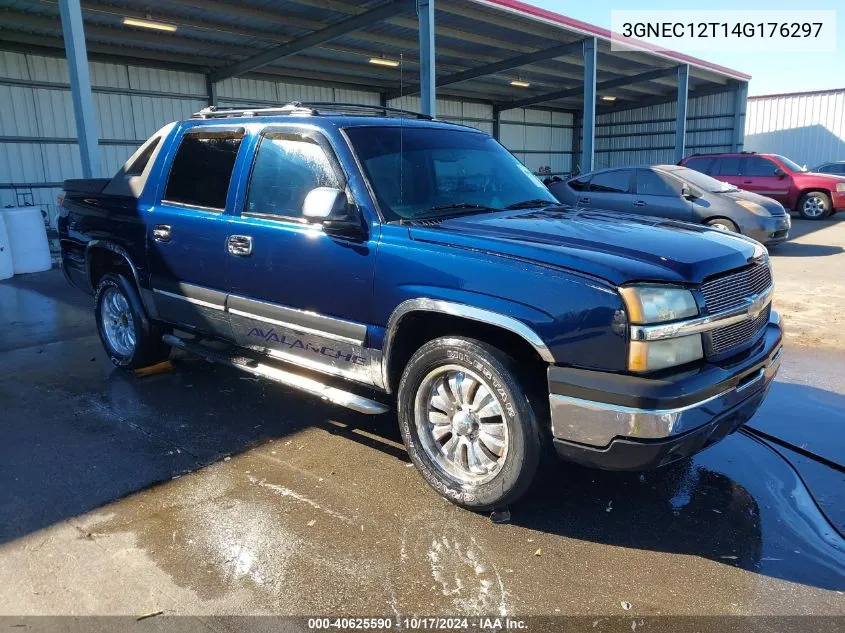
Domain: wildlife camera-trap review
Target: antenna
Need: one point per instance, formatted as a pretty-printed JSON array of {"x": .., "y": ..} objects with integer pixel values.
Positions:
[{"x": 401, "y": 134}]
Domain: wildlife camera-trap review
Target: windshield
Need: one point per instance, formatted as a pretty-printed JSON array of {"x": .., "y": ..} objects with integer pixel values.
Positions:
[
  {"x": 703, "y": 181},
  {"x": 424, "y": 172},
  {"x": 790, "y": 165}
]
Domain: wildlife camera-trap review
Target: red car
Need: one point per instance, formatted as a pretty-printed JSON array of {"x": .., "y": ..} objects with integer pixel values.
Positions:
[{"x": 814, "y": 196}]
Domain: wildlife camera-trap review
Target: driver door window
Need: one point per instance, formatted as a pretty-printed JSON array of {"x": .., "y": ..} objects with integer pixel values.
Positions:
[
  {"x": 286, "y": 168},
  {"x": 758, "y": 176}
]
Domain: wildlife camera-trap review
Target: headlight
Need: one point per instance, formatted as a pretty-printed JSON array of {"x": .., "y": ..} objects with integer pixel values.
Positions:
[
  {"x": 840, "y": 187},
  {"x": 756, "y": 209},
  {"x": 660, "y": 304},
  {"x": 654, "y": 355},
  {"x": 656, "y": 304}
]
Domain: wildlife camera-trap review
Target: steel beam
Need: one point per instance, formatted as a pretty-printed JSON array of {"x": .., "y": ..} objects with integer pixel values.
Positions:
[
  {"x": 497, "y": 123},
  {"x": 355, "y": 23},
  {"x": 740, "y": 105},
  {"x": 427, "y": 88},
  {"x": 80, "y": 87},
  {"x": 588, "y": 125},
  {"x": 605, "y": 85},
  {"x": 497, "y": 67},
  {"x": 681, "y": 112}
]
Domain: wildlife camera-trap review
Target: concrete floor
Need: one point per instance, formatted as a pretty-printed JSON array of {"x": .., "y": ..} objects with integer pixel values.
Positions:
[{"x": 205, "y": 492}]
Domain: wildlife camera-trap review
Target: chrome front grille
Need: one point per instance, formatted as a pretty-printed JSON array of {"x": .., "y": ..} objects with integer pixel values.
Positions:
[
  {"x": 731, "y": 290},
  {"x": 733, "y": 338}
]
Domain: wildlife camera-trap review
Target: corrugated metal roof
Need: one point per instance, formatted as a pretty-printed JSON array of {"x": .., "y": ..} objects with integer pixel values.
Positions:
[{"x": 470, "y": 34}]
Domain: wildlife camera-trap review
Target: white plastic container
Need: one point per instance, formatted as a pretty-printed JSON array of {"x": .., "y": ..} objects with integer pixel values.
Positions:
[
  {"x": 28, "y": 239},
  {"x": 7, "y": 269}
]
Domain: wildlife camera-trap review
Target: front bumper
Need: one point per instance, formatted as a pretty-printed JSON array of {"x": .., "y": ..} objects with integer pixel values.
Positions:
[
  {"x": 838, "y": 200},
  {"x": 621, "y": 422},
  {"x": 772, "y": 230}
]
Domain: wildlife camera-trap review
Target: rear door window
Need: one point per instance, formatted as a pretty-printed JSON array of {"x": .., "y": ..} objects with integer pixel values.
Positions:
[
  {"x": 579, "y": 184},
  {"x": 202, "y": 168},
  {"x": 287, "y": 167},
  {"x": 726, "y": 166},
  {"x": 617, "y": 181}
]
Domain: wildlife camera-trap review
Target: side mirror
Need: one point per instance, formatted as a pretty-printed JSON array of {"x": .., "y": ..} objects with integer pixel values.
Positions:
[
  {"x": 687, "y": 192},
  {"x": 779, "y": 173},
  {"x": 330, "y": 207}
]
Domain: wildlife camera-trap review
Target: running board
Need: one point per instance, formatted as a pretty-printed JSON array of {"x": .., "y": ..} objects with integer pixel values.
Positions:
[{"x": 289, "y": 379}]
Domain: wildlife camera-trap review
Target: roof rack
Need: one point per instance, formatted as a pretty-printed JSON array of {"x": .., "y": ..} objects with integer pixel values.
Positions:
[{"x": 316, "y": 108}]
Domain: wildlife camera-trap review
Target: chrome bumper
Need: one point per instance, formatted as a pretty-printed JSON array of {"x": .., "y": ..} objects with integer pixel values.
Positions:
[{"x": 597, "y": 424}]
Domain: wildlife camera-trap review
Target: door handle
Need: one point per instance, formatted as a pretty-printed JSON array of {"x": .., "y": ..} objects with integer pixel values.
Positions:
[
  {"x": 239, "y": 245},
  {"x": 747, "y": 182},
  {"x": 584, "y": 200},
  {"x": 161, "y": 232},
  {"x": 639, "y": 203}
]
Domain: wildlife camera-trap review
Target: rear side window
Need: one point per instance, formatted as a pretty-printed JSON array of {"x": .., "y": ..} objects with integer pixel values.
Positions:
[
  {"x": 756, "y": 166},
  {"x": 202, "y": 168},
  {"x": 651, "y": 183},
  {"x": 287, "y": 166},
  {"x": 703, "y": 164},
  {"x": 726, "y": 166},
  {"x": 618, "y": 181}
]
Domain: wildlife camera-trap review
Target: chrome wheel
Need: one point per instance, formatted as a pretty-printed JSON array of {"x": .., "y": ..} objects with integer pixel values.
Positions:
[
  {"x": 721, "y": 227},
  {"x": 118, "y": 324},
  {"x": 460, "y": 425},
  {"x": 814, "y": 207}
]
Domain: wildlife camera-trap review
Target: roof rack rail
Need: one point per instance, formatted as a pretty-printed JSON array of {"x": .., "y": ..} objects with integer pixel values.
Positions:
[{"x": 317, "y": 108}]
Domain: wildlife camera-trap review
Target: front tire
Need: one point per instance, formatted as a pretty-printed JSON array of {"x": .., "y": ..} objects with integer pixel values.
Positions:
[
  {"x": 128, "y": 337},
  {"x": 723, "y": 224},
  {"x": 468, "y": 424},
  {"x": 815, "y": 205}
]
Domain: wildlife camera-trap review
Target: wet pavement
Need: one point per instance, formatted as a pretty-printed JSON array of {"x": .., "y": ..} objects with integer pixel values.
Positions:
[{"x": 202, "y": 491}]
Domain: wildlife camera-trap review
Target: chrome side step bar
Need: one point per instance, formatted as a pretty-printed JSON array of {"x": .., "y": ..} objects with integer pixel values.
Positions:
[{"x": 250, "y": 365}]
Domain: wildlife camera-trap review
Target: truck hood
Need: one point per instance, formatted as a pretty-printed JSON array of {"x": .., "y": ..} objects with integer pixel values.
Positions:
[
  {"x": 828, "y": 179},
  {"x": 616, "y": 247}
]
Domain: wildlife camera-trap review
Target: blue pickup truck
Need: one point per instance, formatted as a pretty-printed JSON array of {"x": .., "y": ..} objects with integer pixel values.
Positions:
[{"x": 370, "y": 256}]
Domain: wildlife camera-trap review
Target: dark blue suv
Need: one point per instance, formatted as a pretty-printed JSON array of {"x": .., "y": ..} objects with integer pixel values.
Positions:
[{"x": 349, "y": 251}]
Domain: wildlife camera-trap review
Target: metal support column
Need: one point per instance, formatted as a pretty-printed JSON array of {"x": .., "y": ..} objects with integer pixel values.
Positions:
[
  {"x": 740, "y": 104},
  {"x": 497, "y": 123},
  {"x": 588, "y": 114},
  {"x": 80, "y": 87},
  {"x": 211, "y": 90},
  {"x": 425, "y": 10},
  {"x": 681, "y": 113},
  {"x": 576, "y": 142}
]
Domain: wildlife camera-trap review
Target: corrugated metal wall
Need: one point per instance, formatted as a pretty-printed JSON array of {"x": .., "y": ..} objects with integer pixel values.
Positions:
[
  {"x": 38, "y": 148},
  {"x": 647, "y": 135},
  {"x": 808, "y": 128}
]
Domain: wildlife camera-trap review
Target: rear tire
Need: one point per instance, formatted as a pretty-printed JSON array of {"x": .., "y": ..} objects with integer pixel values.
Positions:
[
  {"x": 723, "y": 224},
  {"x": 468, "y": 424},
  {"x": 130, "y": 340},
  {"x": 815, "y": 205}
]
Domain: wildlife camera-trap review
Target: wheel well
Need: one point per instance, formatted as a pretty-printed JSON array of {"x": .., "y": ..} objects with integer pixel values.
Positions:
[
  {"x": 418, "y": 328},
  {"x": 721, "y": 217},
  {"x": 103, "y": 260},
  {"x": 804, "y": 192}
]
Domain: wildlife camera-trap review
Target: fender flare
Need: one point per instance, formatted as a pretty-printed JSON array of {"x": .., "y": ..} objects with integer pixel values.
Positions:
[
  {"x": 460, "y": 310},
  {"x": 146, "y": 301},
  {"x": 114, "y": 248}
]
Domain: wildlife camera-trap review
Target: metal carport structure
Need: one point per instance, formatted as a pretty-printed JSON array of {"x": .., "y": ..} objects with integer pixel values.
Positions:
[{"x": 549, "y": 87}]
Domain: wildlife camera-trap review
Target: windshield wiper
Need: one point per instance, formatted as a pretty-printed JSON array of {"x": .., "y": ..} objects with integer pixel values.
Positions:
[
  {"x": 463, "y": 205},
  {"x": 528, "y": 204}
]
